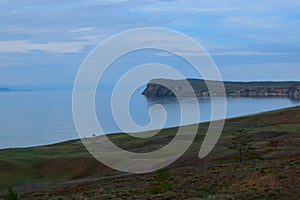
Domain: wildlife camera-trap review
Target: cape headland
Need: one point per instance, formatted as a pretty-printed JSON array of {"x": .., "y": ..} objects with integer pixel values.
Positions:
[{"x": 168, "y": 88}]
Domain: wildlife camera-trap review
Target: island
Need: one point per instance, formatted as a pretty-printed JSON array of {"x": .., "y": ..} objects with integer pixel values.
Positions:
[
  {"x": 2, "y": 89},
  {"x": 157, "y": 88}
]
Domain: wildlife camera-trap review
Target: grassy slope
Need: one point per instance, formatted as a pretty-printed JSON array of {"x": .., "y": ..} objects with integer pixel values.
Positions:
[{"x": 276, "y": 135}]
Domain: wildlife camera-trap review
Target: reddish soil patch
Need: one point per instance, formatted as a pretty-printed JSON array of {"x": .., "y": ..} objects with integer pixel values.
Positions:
[
  {"x": 72, "y": 167},
  {"x": 266, "y": 135}
]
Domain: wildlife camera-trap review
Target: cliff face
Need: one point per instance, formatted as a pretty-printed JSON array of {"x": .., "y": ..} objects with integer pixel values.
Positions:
[
  {"x": 294, "y": 92},
  {"x": 259, "y": 92},
  {"x": 291, "y": 90},
  {"x": 156, "y": 90}
]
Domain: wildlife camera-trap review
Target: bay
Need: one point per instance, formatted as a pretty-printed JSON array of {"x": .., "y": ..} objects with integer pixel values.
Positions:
[{"x": 45, "y": 117}]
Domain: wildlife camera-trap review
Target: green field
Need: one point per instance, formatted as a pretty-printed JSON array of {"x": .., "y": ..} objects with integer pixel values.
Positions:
[{"x": 49, "y": 172}]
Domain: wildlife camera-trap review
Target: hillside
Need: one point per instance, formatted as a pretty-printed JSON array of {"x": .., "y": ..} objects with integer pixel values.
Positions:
[
  {"x": 156, "y": 88},
  {"x": 66, "y": 170}
]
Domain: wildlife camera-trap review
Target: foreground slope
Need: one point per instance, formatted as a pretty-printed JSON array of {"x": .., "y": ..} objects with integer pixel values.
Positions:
[{"x": 67, "y": 171}]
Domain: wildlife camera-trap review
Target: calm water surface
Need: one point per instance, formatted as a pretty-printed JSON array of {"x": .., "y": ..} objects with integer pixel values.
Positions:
[{"x": 37, "y": 118}]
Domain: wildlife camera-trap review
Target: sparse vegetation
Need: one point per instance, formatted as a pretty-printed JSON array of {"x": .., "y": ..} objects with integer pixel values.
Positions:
[
  {"x": 242, "y": 142},
  {"x": 161, "y": 184},
  {"x": 11, "y": 195}
]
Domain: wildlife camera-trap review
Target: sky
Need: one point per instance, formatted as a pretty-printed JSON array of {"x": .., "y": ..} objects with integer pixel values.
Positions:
[{"x": 43, "y": 43}]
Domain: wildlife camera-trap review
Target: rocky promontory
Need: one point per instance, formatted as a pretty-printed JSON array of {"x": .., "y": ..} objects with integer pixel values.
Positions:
[{"x": 168, "y": 88}]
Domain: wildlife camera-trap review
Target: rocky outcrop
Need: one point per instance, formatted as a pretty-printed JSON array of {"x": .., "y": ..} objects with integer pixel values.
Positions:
[
  {"x": 294, "y": 92},
  {"x": 259, "y": 92},
  {"x": 157, "y": 88}
]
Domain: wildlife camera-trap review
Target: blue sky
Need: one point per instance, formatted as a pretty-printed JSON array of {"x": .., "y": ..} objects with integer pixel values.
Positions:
[{"x": 43, "y": 43}]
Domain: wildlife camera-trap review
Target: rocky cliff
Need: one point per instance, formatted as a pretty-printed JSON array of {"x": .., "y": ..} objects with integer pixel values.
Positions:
[
  {"x": 294, "y": 92},
  {"x": 157, "y": 88}
]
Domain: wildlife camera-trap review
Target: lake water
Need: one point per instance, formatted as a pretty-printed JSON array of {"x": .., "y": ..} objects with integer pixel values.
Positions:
[{"x": 43, "y": 117}]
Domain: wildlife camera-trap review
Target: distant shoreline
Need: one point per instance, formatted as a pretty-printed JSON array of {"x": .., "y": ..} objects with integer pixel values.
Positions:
[{"x": 2, "y": 89}]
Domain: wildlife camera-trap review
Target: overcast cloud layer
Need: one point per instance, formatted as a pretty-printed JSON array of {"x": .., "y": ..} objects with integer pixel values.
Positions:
[{"x": 42, "y": 43}]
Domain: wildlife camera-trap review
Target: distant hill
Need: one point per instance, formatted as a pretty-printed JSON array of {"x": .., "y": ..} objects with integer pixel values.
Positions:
[
  {"x": 2, "y": 89},
  {"x": 200, "y": 85},
  {"x": 156, "y": 88}
]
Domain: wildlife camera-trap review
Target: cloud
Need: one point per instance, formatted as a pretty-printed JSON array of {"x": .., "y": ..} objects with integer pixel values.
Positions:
[
  {"x": 212, "y": 9},
  {"x": 163, "y": 54},
  {"x": 229, "y": 53},
  {"x": 248, "y": 53},
  {"x": 253, "y": 22},
  {"x": 24, "y": 46},
  {"x": 94, "y": 39},
  {"x": 184, "y": 7},
  {"x": 223, "y": 27},
  {"x": 280, "y": 71},
  {"x": 84, "y": 29}
]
